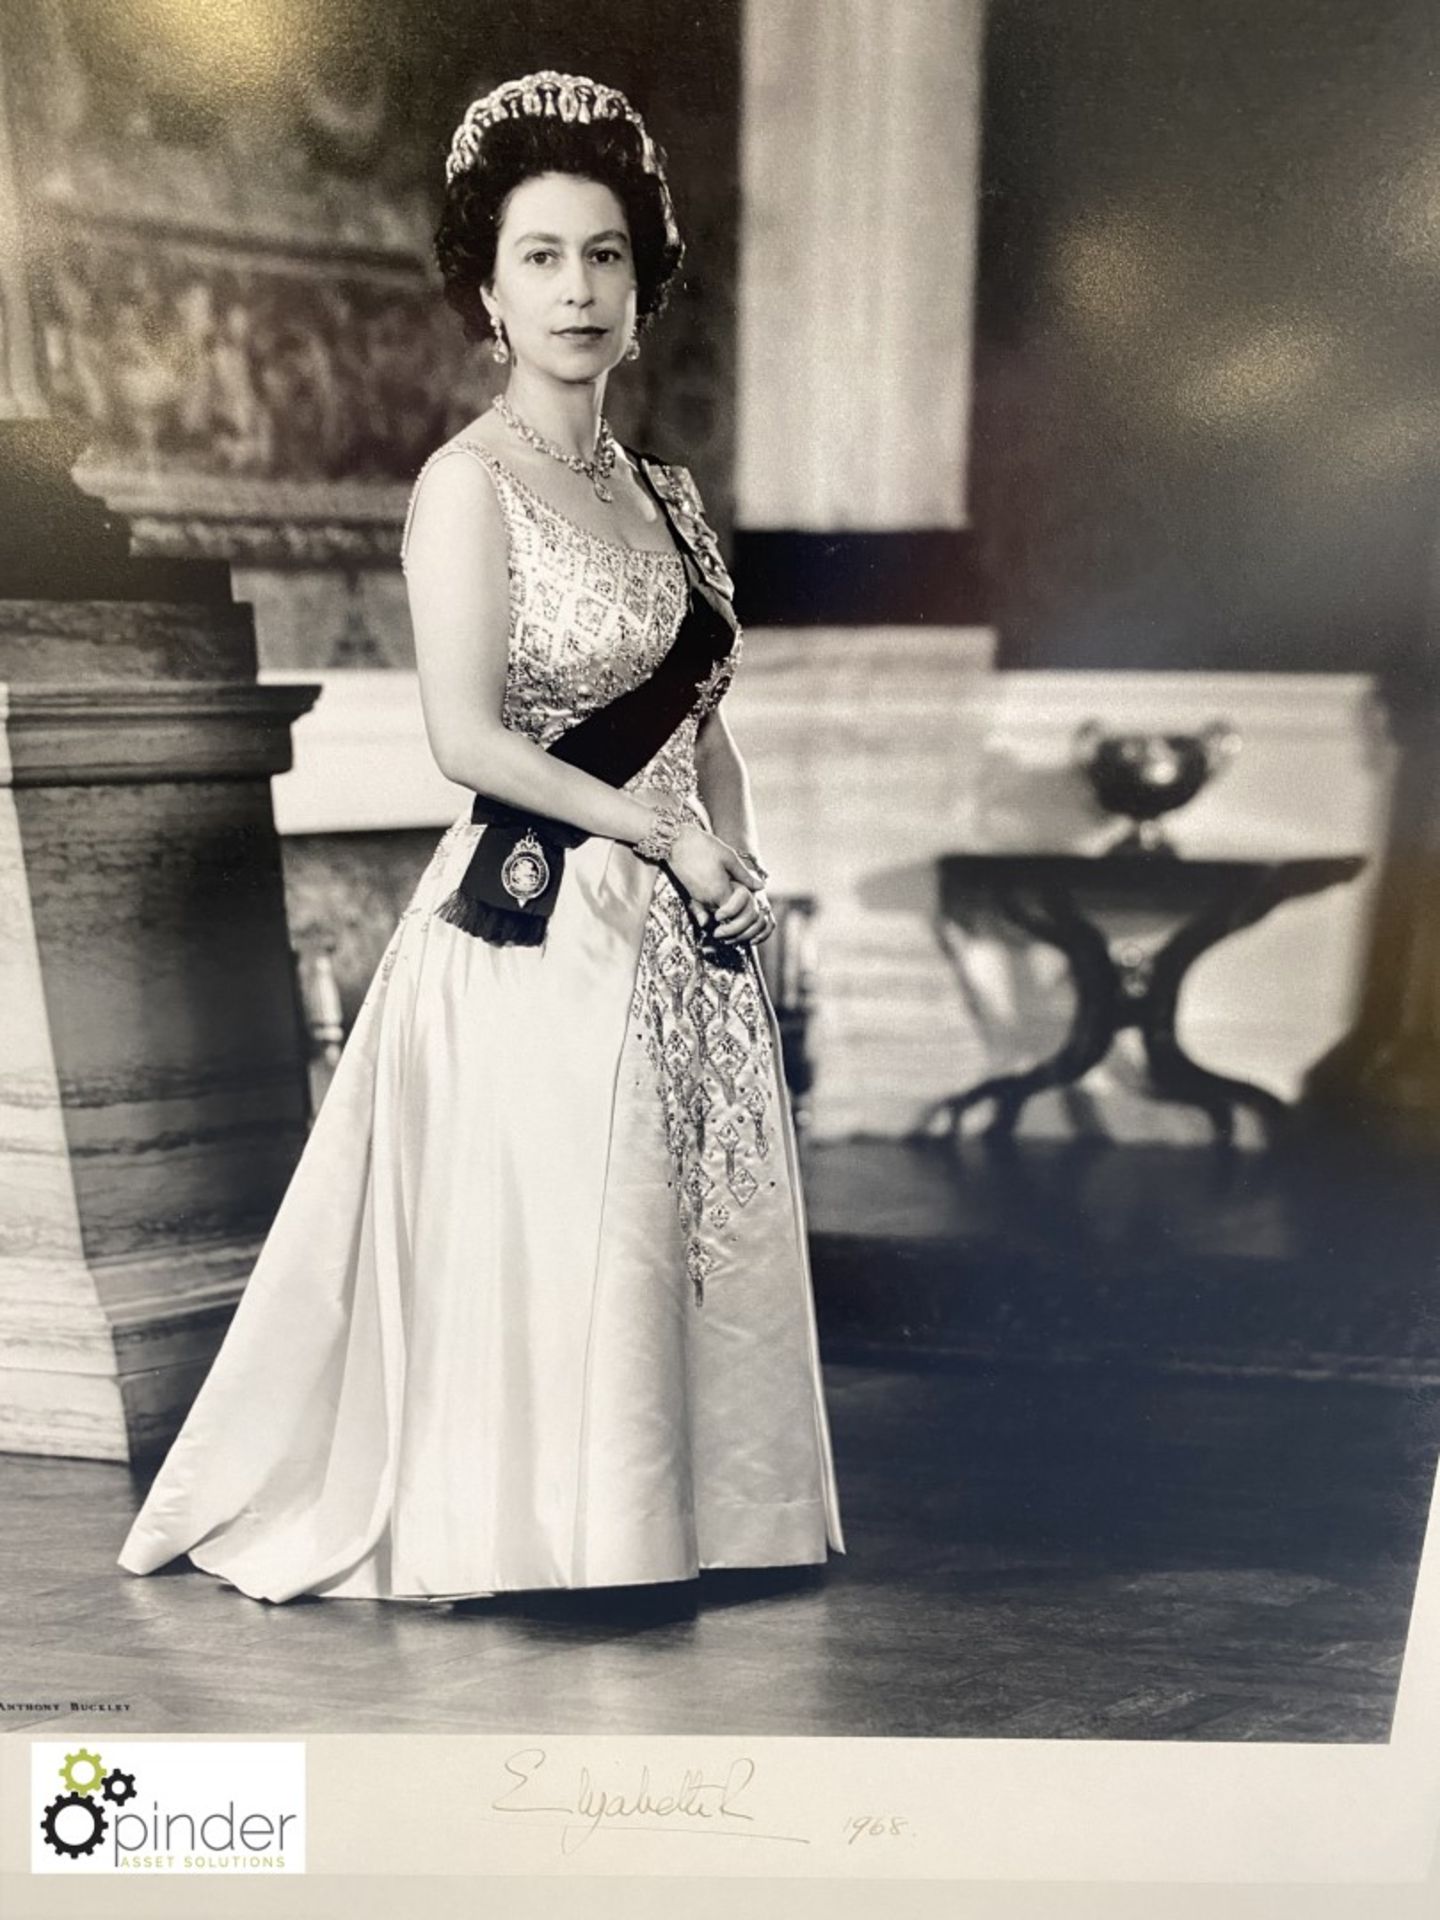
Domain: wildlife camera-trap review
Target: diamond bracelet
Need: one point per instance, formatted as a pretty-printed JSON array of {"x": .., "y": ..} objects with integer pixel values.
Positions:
[{"x": 659, "y": 837}]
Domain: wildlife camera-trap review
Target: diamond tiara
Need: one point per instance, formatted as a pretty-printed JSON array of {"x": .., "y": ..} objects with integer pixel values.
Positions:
[{"x": 566, "y": 96}]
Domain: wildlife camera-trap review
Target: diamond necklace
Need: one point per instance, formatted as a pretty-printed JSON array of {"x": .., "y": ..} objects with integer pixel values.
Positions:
[{"x": 596, "y": 470}]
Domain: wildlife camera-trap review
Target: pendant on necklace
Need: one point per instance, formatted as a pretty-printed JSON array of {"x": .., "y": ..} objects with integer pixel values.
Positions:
[{"x": 596, "y": 468}]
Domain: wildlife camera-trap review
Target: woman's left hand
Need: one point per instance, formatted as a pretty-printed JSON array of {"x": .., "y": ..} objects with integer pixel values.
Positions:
[{"x": 744, "y": 916}]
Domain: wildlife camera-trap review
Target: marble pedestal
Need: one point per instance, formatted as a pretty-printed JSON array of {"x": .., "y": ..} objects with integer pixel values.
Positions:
[{"x": 152, "y": 1099}]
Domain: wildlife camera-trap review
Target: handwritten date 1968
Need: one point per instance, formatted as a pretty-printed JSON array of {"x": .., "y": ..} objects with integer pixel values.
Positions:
[{"x": 873, "y": 1825}]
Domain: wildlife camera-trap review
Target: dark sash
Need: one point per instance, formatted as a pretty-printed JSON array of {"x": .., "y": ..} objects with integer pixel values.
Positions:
[{"x": 614, "y": 743}]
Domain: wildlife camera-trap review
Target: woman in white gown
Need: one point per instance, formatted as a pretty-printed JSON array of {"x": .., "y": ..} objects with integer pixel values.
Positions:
[{"x": 536, "y": 1309}]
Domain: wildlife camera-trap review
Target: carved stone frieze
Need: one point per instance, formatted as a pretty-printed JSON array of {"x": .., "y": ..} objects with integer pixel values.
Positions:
[
  {"x": 245, "y": 366},
  {"x": 215, "y": 120}
]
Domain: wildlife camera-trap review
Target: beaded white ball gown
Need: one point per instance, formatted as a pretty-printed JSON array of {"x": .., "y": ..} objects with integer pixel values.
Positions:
[{"x": 536, "y": 1308}]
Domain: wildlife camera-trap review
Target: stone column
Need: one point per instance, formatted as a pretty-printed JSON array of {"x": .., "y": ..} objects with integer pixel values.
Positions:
[{"x": 152, "y": 1096}]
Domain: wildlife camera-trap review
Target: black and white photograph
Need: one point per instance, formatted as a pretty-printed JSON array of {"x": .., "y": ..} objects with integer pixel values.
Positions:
[{"x": 719, "y": 868}]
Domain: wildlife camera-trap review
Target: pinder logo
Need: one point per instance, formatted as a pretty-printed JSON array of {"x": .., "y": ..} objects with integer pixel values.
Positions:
[{"x": 199, "y": 1807}]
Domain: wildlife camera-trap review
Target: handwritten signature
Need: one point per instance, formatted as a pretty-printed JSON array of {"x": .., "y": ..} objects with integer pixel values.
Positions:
[{"x": 695, "y": 1805}]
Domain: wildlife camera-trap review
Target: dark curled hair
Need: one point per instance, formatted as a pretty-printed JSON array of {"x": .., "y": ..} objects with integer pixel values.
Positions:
[{"x": 514, "y": 150}]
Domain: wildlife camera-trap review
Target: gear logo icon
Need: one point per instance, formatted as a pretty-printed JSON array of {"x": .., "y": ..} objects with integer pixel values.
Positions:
[
  {"x": 77, "y": 1820},
  {"x": 89, "y": 1761},
  {"x": 118, "y": 1787},
  {"x": 73, "y": 1847}
]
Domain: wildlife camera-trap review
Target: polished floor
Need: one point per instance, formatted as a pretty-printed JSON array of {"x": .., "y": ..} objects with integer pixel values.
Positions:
[
  {"x": 1035, "y": 1551},
  {"x": 1321, "y": 1262}
]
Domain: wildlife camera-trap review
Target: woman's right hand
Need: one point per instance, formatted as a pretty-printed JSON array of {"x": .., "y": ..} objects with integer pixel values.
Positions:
[{"x": 709, "y": 868}]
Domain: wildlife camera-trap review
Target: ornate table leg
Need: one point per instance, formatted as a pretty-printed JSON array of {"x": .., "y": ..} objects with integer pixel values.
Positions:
[
  {"x": 1099, "y": 1005},
  {"x": 1173, "y": 1073}
]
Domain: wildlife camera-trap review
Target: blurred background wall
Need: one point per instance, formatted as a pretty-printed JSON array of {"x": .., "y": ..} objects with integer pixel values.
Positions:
[{"x": 1207, "y": 417}]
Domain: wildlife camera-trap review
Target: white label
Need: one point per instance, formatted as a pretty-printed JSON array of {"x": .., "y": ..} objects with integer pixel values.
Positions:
[{"x": 106, "y": 1805}]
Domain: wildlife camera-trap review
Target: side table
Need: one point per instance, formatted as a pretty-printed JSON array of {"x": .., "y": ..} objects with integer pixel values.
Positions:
[{"x": 1116, "y": 988}]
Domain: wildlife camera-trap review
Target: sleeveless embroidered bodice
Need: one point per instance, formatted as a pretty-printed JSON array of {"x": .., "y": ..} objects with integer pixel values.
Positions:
[{"x": 590, "y": 617}]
